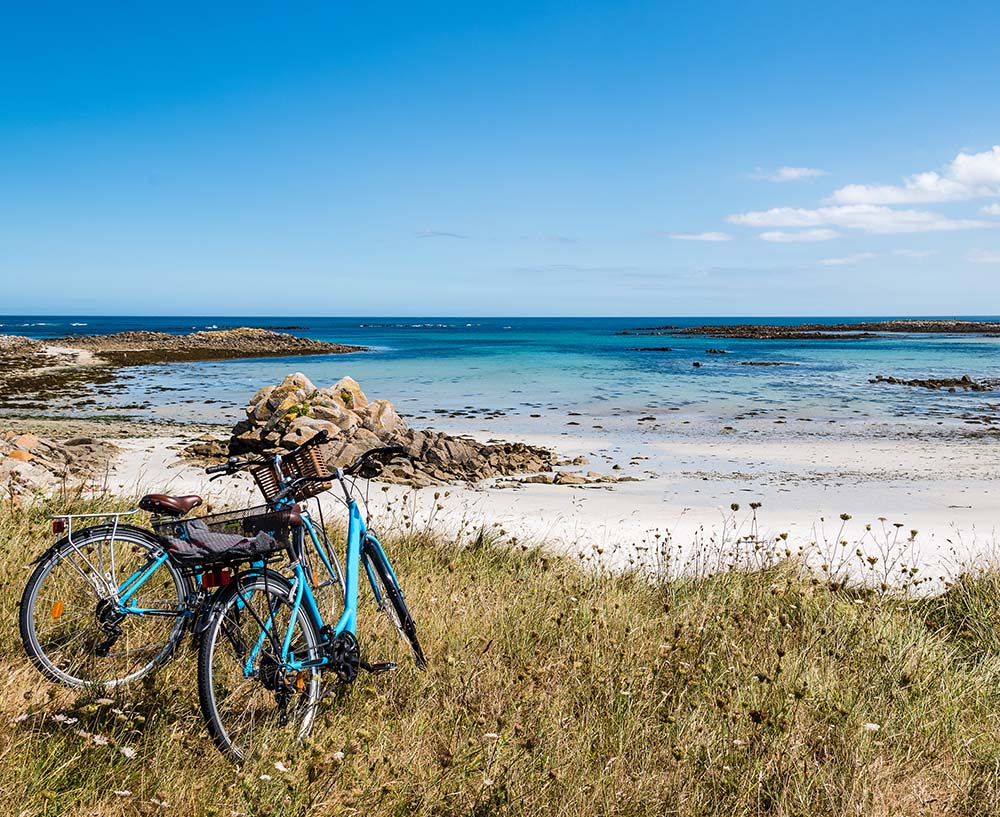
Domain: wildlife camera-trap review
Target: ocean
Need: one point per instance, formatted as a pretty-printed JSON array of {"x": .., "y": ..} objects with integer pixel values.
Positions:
[{"x": 458, "y": 367}]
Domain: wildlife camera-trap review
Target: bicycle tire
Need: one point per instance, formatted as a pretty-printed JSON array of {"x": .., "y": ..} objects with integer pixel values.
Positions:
[
  {"x": 222, "y": 661},
  {"x": 389, "y": 597},
  {"x": 64, "y": 642}
]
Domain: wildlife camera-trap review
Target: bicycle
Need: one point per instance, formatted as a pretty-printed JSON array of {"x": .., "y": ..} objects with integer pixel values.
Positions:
[
  {"x": 109, "y": 603},
  {"x": 266, "y": 645},
  {"x": 105, "y": 605}
]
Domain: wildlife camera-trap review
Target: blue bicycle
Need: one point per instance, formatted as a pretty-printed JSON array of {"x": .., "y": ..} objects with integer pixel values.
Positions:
[{"x": 265, "y": 646}]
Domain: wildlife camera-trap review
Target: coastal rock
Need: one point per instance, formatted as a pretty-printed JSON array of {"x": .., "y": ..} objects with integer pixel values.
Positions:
[
  {"x": 823, "y": 331},
  {"x": 380, "y": 418},
  {"x": 289, "y": 413},
  {"x": 30, "y": 464},
  {"x": 206, "y": 448},
  {"x": 349, "y": 393},
  {"x": 567, "y": 478},
  {"x": 951, "y": 383}
]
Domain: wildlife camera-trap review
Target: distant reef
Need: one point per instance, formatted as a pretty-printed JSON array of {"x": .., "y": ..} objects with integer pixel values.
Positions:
[
  {"x": 33, "y": 371},
  {"x": 826, "y": 331}
]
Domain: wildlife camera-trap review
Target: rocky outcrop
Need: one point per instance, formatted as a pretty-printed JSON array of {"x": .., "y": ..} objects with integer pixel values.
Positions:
[
  {"x": 822, "y": 331},
  {"x": 32, "y": 464},
  {"x": 34, "y": 373},
  {"x": 288, "y": 414},
  {"x": 965, "y": 383},
  {"x": 139, "y": 347}
]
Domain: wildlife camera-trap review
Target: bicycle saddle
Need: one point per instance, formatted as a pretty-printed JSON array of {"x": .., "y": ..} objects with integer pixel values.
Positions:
[{"x": 169, "y": 505}]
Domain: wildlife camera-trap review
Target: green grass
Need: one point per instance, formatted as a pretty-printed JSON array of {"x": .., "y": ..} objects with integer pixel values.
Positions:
[{"x": 559, "y": 691}]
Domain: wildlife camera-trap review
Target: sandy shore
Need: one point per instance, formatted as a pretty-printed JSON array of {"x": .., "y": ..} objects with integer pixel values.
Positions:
[{"x": 941, "y": 487}]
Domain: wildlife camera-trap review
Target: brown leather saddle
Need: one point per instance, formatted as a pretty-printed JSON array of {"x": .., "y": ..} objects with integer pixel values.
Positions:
[{"x": 169, "y": 505}]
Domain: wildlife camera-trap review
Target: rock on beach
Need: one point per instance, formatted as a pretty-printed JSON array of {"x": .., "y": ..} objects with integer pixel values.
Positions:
[{"x": 289, "y": 413}]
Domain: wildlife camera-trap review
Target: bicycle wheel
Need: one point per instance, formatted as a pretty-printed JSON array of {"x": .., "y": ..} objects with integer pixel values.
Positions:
[
  {"x": 389, "y": 598},
  {"x": 73, "y": 626},
  {"x": 252, "y": 700}
]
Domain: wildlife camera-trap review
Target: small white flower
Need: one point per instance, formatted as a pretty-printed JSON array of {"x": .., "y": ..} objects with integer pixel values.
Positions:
[
  {"x": 122, "y": 793},
  {"x": 100, "y": 740},
  {"x": 265, "y": 777},
  {"x": 872, "y": 727},
  {"x": 281, "y": 767},
  {"x": 338, "y": 756},
  {"x": 491, "y": 736},
  {"x": 104, "y": 701},
  {"x": 128, "y": 751}
]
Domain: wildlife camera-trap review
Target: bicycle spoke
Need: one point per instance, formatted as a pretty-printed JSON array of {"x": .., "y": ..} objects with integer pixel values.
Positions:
[
  {"x": 253, "y": 699},
  {"x": 74, "y": 627}
]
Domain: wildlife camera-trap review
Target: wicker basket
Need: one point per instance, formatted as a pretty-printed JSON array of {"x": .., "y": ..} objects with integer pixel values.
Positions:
[
  {"x": 246, "y": 522},
  {"x": 231, "y": 538},
  {"x": 307, "y": 463}
]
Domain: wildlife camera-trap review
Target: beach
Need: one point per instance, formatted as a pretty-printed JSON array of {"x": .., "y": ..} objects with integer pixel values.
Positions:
[{"x": 695, "y": 465}]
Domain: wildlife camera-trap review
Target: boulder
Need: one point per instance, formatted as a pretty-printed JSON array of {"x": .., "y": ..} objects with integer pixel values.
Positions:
[
  {"x": 305, "y": 428},
  {"x": 349, "y": 393},
  {"x": 380, "y": 418},
  {"x": 566, "y": 478},
  {"x": 26, "y": 442}
]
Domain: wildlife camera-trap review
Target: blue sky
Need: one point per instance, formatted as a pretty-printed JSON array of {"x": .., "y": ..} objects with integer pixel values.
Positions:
[{"x": 511, "y": 158}]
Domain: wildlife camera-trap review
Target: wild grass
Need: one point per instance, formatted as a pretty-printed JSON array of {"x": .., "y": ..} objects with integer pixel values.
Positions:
[{"x": 558, "y": 690}]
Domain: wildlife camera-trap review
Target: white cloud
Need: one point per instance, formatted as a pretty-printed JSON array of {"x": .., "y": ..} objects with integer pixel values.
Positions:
[
  {"x": 865, "y": 217},
  {"x": 846, "y": 260},
  {"x": 787, "y": 174},
  {"x": 983, "y": 257},
  {"x": 439, "y": 234},
  {"x": 967, "y": 176},
  {"x": 710, "y": 236},
  {"x": 916, "y": 254},
  {"x": 990, "y": 210},
  {"x": 782, "y": 237}
]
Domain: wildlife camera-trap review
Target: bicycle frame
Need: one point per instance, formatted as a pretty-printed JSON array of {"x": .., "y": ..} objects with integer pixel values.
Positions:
[{"x": 358, "y": 540}]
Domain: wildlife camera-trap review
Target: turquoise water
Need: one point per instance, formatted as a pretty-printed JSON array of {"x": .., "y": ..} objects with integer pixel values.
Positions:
[{"x": 435, "y": 366}]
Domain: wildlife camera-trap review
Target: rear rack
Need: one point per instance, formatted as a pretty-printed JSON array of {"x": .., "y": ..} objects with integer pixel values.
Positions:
[{"x": 112, "y": 518}]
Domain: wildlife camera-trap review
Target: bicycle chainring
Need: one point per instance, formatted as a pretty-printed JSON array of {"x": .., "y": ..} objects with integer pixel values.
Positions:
[{"x": 344, "y": 656}]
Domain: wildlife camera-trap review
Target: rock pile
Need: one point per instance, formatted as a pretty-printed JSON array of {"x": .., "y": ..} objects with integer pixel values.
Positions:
[
  {"x": 294, "y": 411},
  {"x": 965, "y": 383},
  {"x": 31, "y": 464}
]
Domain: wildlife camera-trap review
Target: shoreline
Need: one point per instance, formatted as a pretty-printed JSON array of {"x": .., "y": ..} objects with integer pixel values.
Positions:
[{"x": 685, "y": 492}]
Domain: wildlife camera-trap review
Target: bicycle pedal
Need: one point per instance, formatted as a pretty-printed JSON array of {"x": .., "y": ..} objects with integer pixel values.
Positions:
[{"x": 378, "y": 669}]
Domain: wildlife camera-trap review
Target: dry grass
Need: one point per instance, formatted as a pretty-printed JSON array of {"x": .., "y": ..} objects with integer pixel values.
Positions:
[{"x": 558, "y": 691}]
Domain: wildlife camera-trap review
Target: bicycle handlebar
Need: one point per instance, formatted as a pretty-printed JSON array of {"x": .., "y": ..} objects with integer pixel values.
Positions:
[
  {"x": 387, "y": 452},
  {"x": 233, "y": 464}
]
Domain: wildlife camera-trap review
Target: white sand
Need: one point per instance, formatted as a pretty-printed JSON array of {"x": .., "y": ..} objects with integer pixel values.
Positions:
[{"x": 942, "y": 488}]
